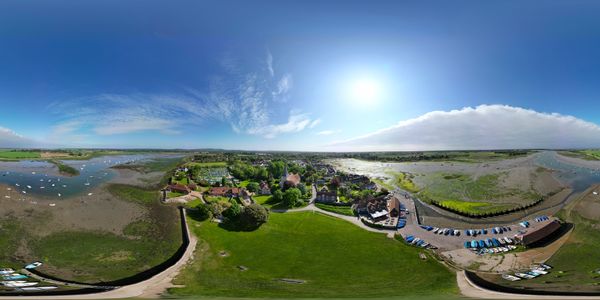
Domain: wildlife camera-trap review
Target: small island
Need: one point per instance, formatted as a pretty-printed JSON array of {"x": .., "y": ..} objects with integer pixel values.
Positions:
[{"x": 64, "y": 169}]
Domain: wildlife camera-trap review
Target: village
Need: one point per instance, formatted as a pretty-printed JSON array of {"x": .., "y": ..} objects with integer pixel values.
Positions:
[{"x": 281, "y": 185}]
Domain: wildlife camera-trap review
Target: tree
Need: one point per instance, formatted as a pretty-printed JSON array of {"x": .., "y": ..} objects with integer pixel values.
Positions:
[
  {"x": 291, "y": 197},
  {"x": 253, "y": 187},
  {"x": 276, "y": 168},
  {"x": 277, "y": 196},
  {"x": 233, "y": 212},
  {"x": 223, "y": 181},
  {"x": 302, "y": 188},
  {"x": 252, "y": 217}
]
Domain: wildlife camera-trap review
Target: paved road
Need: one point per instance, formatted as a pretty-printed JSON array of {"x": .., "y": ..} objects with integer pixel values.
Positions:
[{"x": 149, "y": 288}]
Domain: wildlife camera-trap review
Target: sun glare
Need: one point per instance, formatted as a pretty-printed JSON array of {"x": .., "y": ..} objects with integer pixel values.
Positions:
[{"x": 365, "y": 91}]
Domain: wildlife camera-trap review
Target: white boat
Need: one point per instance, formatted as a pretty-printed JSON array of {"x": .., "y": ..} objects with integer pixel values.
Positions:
[
  {"x": 28, "y": 186},
  {"x": 89, "y": 194},
  {"x": 524, "y": 276},
  {"x": 7, "y": 197},
  {"x": 52, "y": 204},
  {"x": 6, "y": 271},
  {"x": 24, "y": 192},
  {"x": 18, "y": 283},
  {"x": 539, "y": 271},
  {"x": 59, "y": 195},
  {"x": 17, "y": 184},
  {"x": 510, "y": 277}
]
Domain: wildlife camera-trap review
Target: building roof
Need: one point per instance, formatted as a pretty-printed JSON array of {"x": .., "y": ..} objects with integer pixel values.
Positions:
[
  {"x": 224, "y": 190},
  {"x": 393, "y": 203},
  {"x": 294, "y": 179},
  {"x": 179, "y": 188},
  {"x": 536, "y": 234}
]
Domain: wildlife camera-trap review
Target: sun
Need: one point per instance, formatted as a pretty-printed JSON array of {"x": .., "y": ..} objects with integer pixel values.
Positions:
[{"x": 365, "y": 91}]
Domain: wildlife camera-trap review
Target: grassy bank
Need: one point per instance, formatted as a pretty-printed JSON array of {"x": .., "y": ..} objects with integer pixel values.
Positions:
[
  {"x": 134, "y": 193},
  {"x": 329, "y": 256},
  {"x": 342, "y": 210}
]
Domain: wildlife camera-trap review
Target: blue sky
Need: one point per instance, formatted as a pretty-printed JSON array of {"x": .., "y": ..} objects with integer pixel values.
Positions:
[{"x": 291, "y": 75}]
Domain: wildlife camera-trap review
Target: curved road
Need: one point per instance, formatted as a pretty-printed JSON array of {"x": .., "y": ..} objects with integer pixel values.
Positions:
[{"x": 150, "y": 288}]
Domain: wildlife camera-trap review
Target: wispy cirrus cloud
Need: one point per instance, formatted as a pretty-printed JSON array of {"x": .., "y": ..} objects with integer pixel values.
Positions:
[
  {"x": 479, "y": 128},
  {"x": 248, "y": 98}
]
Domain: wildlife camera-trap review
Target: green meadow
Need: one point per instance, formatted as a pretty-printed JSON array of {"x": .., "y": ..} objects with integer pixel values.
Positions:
[{"x": 320, "y": 256}]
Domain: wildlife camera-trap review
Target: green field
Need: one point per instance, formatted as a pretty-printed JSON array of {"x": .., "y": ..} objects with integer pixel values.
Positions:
[
  {"x": 5, "y": 154},
  {"x": 342, "y": 210},
  {"x": 331, "y": 257}
]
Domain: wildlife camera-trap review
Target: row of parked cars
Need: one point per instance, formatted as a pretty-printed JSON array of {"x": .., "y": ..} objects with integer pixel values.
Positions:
[{"x": 535, "y": 271}]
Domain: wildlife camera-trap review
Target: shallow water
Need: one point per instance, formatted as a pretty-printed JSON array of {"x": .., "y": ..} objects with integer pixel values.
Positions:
[
  {"x": 576, "y": 176},
  {"x": 42, "y": 178}
]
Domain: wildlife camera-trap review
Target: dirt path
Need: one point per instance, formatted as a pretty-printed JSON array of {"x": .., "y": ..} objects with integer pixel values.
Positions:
[{"x": 150, "y": 288}]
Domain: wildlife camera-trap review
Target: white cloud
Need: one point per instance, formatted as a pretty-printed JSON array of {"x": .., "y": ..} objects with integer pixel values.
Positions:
[
  {"x": 295, "y": 123},
  {"x": 327, "y": 132},
  {"x": 483, "y": 127},
  {"x": 11, "y": 139}
]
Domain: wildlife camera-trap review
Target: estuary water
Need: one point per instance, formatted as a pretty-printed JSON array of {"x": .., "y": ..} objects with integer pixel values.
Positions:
[
  {"x": 43, "y": 179},
  {"x": 578, "y": 176}
]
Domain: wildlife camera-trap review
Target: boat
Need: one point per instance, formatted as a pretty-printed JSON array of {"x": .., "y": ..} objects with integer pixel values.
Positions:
[
  {"x": 38, "y": 288},
  {"x": 6, "y": 271},
  {"x": 15, "y": 276},
  {"x": 510, "y": 277},
  {"x": 52, "y": 204},
  {"x": 89, "y": 194},
  {"x": 28, "y": 186},
  {"x": 18, "y": 283},
  {"x": 33, "y": 265}
]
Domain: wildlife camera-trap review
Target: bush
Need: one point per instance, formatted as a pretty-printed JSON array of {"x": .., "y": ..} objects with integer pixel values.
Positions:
[{"x": 201, "y": 212}]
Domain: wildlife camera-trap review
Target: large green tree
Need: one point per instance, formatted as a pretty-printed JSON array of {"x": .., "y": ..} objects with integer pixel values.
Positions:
[{"x": 291, "y": 197}]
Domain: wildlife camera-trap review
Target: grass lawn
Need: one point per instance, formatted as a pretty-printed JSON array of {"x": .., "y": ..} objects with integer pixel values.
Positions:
[
  {"x": 18, "y": 154},
  {"x": 333, "y": 257},
  {"x": 216, "y": 199},
  {"x": 174, "y": 194},
  {"x": 342, "y": 210}
]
